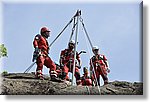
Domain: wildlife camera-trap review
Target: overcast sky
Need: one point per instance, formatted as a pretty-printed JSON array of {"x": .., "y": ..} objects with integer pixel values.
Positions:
[{"x": 114, "y": 27}]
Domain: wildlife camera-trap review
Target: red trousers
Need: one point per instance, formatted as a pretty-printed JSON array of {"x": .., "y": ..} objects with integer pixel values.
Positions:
[
  {"x": 66, "y": 69},
  {"x": 100, "y": 71},
  {"x": 44, "y": 60}
]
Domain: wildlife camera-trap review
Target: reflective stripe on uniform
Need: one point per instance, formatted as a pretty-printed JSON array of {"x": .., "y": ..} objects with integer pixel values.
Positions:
[
  {"x": 53, "y": 73},
  {"x": 39, "y": 75},
  {"x": 39, "y": 71}
]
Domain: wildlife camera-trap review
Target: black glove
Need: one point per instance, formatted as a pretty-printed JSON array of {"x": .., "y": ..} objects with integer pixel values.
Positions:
[
  {"x": 35, "y": 54},
  {"x": 36, "y": 49},
  {"x": 79, "y": 67}
]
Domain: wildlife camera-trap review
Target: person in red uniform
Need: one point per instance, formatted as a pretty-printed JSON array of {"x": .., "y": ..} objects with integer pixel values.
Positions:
[
  {"x": 85, "y": 79},
  {"x": 42, "y": 49},
  {"x": 99, "y": 66},
  {"x": 66, "y": 62}
]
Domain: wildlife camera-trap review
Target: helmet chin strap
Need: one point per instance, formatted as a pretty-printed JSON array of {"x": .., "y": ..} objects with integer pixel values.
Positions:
[
  {"x": 96, "y": 53},
  {"x": 71, "y": 48}
]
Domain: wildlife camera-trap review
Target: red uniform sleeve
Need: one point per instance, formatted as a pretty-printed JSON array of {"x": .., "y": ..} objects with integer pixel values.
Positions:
[
  {"x": 62, "y": 53},
  {"x": 90, "y": 62},
  {"x": 35, "y": 42},
  {"x": 44, "y": 48},
  {"x": 104, "y": 57},
  {"x": 105, "y": 60},
  {"x": 62, "y": 61},
  {"x": 91, "y": 67}
]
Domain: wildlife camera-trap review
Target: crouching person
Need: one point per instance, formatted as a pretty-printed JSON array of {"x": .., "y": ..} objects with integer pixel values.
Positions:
[
  {"x": 66, "y": 62},
  {"x": 85, "y": 79}
]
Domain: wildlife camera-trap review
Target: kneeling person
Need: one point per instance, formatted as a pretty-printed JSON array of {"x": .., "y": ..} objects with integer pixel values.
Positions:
[
  {"x": 85, "y": 79},
  {"x": 66, "y": 62}
]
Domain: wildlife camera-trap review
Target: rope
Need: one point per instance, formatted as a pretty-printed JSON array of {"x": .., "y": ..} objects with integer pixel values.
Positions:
[
  {"x": 81, "y": 20},
  {"x": 78, "y": 13},
  {"x": 61, "y": 32},
  {"x": 88, "y": 89},
  {"x": 73, "y": 28},
  {"x": 28, "y": 69}
]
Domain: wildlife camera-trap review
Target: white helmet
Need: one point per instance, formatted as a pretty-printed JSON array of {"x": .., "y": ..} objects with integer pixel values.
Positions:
[
  {"x": 95, "y": 48},
  {"x": 72, "y": 42}
]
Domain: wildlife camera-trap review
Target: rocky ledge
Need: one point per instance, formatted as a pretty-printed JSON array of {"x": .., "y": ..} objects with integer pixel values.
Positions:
[{"x": 26, "y": 84}]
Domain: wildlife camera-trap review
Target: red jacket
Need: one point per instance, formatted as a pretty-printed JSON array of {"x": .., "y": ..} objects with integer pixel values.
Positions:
[
  {"x": 41, "y": 43},
  {"x": 100, "y": 60},
  {"x": 67, "y": 55}
]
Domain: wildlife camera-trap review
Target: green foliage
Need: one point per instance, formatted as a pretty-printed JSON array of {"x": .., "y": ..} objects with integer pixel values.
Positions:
[
  {"x": 4, "y": 72},
  {"x": 3, "y": 51}
]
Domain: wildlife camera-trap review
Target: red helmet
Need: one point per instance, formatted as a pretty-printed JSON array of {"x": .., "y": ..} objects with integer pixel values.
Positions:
[{"x": 44, "y": 29}]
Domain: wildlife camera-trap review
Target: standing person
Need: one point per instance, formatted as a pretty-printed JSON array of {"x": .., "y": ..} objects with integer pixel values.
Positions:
[
  {"x": 100, "y": 64},
  {"x": 66, "y": 62},
  {"x": 85, "y": 79},
  {"x": 41, "y": 54}
]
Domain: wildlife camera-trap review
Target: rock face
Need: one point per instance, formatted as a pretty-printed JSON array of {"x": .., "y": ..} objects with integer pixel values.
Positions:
[{"x": 26, "y": 84}]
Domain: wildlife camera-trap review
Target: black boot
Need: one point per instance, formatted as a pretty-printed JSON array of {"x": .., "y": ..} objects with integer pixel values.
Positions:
[
  {"x": 55, "y": 79},
  {"x": 105, "y": 82},
  {"x": 63, "y": 76}
]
